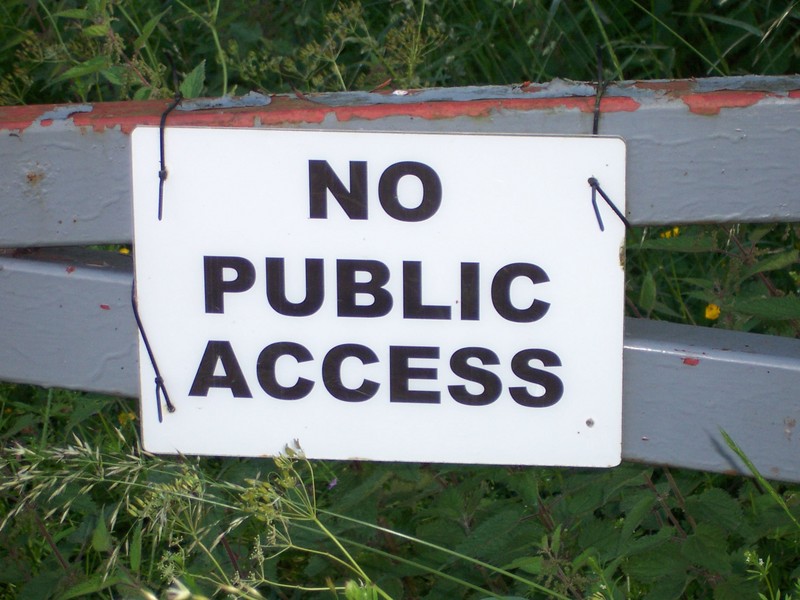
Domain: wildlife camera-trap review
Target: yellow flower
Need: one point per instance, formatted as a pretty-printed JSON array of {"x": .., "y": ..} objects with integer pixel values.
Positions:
[
  {"x": 712, "y": 312},
  {"x": 124, "y": 250},
  {"x": 126, "y": 417},
  {"x": 670, "y": 233}
]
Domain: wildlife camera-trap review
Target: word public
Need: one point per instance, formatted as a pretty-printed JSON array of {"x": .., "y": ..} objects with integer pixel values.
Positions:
[{"x": 361, "y": 293}]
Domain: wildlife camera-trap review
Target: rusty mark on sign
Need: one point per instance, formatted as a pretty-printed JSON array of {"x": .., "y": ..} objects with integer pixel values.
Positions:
[{"x": 34, "y": 176}]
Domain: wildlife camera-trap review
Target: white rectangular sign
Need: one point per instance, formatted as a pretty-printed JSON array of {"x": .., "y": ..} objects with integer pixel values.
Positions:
[{"x": 383, "y": 296}]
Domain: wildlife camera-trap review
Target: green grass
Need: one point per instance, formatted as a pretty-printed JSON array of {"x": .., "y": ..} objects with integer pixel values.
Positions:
[
  {"x": 61, "y": 50},
  {"x": 86, "y": 514}
]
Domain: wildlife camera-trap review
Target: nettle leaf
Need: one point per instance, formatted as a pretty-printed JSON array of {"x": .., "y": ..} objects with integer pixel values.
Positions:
[
  {"x": 735, "y": 587},
  {"x": 649, "y": 543},
  {"x": 89, "y": 67},
  {"x": 773, "y": 262},
  {"x": 707, "y": 548},
  {"x": 13, "y": 572},
  {"x": 490, "y": 537},
  {"x": 663, "y": 561},
  {"x": 114, "y": 74},
  {"x": 781, "y": 308},
  {"x": 647, "y": 295},
  {"x": 758, "y": 232},
  {"x": 529, "y": 564},
  {"x": 636, "y": 515},
  {"x": 41, "y": 586},
  {"x": 84, "y": 410},
  {"x": 619, "y": 480},
  {"x": 600, "y": 538},
  {"x": 442, "y": 532},
  {"x": 668, "y": 588},
  {"x": 584, "y": 501},
  {"x": 715, "y": 506},
  {"x": 523, "y": 483},
  {"x": 143, "y": 93},
  {"x": 449, "y": 504},
  {"x": 193, "y": 83},
  {"x": 23, "y": 422},
  {"x": 148, "y": 29},
  {"x": 366, "y": 488},
  {"x": 101, "y": 538}
]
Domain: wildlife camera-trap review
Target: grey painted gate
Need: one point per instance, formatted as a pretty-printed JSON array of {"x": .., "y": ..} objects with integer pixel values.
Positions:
[{"x": 705, "y": 151}]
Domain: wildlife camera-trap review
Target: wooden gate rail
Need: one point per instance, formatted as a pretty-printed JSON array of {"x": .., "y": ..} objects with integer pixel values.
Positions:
[{"x": 703, "y": 151}]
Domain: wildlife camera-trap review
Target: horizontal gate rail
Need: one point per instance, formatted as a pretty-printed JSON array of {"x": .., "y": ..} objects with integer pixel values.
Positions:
[{"x": 705, "y": 151}]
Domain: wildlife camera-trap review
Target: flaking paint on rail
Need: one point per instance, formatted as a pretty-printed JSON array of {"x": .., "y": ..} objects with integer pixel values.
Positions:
[
  {"x": 292, "y": 110},
  {"x": 286, "y": 110},
  {"x": 711, "y": 103}
]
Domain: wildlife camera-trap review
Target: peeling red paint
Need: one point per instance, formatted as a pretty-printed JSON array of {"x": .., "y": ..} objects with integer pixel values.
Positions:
[
  {"x": 105, "y": 307},
  {"x": 482, "y": 108},
  {"x": 289, "y": 109},
  {"x": 21, "y": 117},
  {"x": 692, "y": 362},
  {"x": 285, "y": 110},
  {"x": 711, "y": 103},
  {"x": 125, "y": 115}
]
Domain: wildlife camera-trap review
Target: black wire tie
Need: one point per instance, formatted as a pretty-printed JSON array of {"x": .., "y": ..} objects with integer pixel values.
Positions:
[
  {"x": 597, "y": 189},
  {"x": 162, "y": 173},
  {"x": 161, "y": 388}
]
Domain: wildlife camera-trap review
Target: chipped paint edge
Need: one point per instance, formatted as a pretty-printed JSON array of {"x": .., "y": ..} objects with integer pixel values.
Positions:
[{"x": 703, "y": 97}]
